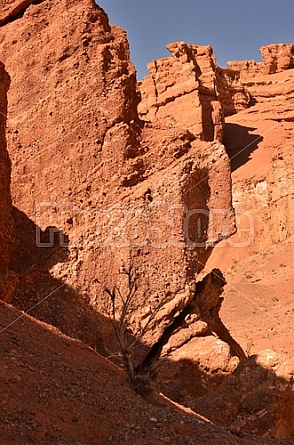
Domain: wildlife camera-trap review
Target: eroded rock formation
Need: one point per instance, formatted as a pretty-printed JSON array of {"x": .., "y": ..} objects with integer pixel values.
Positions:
[
  {"x": 103, "y": 181},
  {"x": 182, "y": 91},
  {"x": 245, "y": 82},
  {"x": 258, "y": 258},
  {"x": 199, "y": 318},
  {"x": 233, "y": 95},
  {"x": 195, "y": 338},
  {"x": 123, "y": 192},
  {"x": 13, "y": 9},
  {"x": 275, "y": 58}
]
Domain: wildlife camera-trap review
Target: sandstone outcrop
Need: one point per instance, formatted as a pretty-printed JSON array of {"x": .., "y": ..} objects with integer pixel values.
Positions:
[
  {"x": 190, "y": 91},
  {"x": 196, "y": 350},
  {"x": 257, "y": 99},
  {"x": 197, "y": 319},
  {"x": 275, "y": 59},
  {"x": 182, "y": 91},
  {"x": 87, "y": 167},
  {"x": 257, "y": 260},
  {"x": 246, "y": 82},
  {"x": 233, "y": 95},
  {"x": 105, "y": 190},
  {"x": 276, "y": 88},
  {"x": 109, "y": 175}
]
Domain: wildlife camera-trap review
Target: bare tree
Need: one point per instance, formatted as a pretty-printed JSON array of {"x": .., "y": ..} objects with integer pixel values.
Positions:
[{"x": 122, "y": 307}]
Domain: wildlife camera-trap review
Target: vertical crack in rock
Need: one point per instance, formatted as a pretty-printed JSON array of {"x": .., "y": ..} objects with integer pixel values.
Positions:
[{"x": 6, "y": 224}]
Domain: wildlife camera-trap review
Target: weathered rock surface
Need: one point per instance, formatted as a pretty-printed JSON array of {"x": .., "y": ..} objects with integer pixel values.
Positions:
[
  {"x": 188, "y": 89},
  {"x": 258, "y": 260},
  {"x": 259, "y": 143},
  {"x": 275, "y": 58},
  {"x": 246, "y": 82},
  {"x": 12, "y": 9},
  {"x": 103, "y": 181},
  {"x": 122, "y": 193},
  {"x": 201, "y": 317},
  {"x": 276, "y": 88},
  {"x": 281, "y": 194},
  {"x": 258, "y": 139},
  {"x": 196, "y": 350},
  {"x": 182, "y": 91},
  {"x": 257, "y": 399},
  {"x": 233, "y": 95}
]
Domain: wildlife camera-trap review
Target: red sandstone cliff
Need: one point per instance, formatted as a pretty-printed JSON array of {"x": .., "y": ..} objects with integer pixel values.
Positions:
[
  {"x": 119, "y": 190},
  {"x": 107, "y": 173},
  {"x": 258, "y": 260}
]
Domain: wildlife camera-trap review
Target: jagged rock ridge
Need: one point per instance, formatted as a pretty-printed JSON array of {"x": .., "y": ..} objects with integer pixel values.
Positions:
[
  {"x": 275, "y": 59},
  {"x": 182, "y": 91}
]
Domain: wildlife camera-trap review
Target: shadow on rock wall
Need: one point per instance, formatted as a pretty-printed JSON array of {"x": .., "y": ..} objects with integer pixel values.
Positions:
[
  {"x": 240, "y": 143},
  {"x": 257, "y": 399},
  {"x": 47, "y": 298},
  {"x": 254, "y": 400}
]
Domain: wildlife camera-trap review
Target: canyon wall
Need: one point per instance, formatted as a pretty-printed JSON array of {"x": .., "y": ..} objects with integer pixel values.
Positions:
[
  {"x": 112, "y": 178},
  {"x": 259, "y": 142},
  {"x": 188, "y": 90},
  {"x": 96, "y": 188}
]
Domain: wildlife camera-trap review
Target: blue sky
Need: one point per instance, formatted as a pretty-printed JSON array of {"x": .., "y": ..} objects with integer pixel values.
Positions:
[{"x": 234, "y": 28}]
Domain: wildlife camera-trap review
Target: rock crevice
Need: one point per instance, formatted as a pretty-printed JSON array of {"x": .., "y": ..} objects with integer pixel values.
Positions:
[{"x": 6, "y": 222}]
